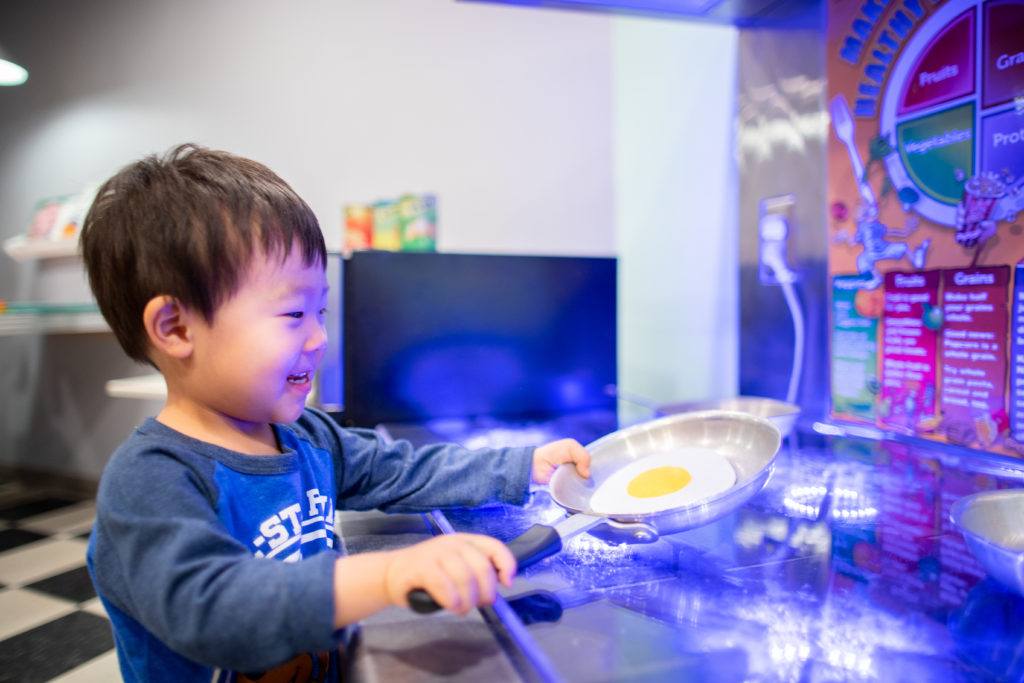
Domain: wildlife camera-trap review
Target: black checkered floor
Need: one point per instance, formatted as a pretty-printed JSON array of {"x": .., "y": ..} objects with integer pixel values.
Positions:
[{"x": 52, "y": 626}]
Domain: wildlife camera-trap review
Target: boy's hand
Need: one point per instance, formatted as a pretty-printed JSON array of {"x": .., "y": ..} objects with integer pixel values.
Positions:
[
  {"x": 548, "y": 457},
  {"x": 460, "y": 571}
]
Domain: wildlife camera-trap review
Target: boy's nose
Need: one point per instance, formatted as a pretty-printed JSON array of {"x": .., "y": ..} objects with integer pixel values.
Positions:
[{"x": 317, "y": 341}]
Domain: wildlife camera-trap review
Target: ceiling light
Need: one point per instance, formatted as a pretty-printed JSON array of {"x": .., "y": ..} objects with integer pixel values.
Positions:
[{"x": 11, "y": 73}]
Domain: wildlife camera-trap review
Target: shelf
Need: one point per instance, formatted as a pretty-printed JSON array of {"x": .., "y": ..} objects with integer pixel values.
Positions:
[
  {"x": 23, "y": 249},
  {"x": 52, "y": 323},
  {"x": 145, "y": 387}
]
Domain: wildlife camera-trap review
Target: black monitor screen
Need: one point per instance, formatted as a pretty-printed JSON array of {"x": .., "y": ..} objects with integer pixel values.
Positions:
[{"x": 460, "y": 335}]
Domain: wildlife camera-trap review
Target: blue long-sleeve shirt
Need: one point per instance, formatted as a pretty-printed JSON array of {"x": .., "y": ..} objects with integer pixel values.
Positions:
[{"x": 185, "y": 532}]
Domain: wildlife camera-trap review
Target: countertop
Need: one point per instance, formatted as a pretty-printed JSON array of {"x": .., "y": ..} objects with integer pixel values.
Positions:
[{"x": 845, "y": 567}]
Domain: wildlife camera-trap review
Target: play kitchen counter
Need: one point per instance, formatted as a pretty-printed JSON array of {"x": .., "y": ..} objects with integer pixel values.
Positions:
[{"x": 845, "y": 567}]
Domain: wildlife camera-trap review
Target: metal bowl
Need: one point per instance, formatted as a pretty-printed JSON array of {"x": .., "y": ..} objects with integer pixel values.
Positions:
[
  {"x": 992, "y": 523},
  {"x": 782, "y": 414},
  {"x": 750, "y": 444}
]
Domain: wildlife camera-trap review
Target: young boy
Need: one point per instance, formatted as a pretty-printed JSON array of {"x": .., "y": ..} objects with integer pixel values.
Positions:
[{"x": 214, "y": 550}]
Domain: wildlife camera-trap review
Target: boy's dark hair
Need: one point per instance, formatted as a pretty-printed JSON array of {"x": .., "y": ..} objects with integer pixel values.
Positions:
[{"x": 186, "y": 225}]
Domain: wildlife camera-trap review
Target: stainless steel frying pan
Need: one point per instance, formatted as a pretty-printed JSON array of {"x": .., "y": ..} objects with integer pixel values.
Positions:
[
  {"x": 749, "y": 443},
  {"x": 783, "y": 415}
]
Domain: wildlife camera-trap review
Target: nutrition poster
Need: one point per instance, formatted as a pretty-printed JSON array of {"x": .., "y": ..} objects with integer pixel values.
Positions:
[{"x": 926, "y": 218}]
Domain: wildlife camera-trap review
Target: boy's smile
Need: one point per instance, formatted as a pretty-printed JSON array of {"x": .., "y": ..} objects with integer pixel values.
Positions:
[{"x": 253, "y": 364}]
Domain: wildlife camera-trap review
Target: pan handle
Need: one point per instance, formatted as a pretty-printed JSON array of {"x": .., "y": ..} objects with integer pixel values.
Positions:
[
  {"x": 535, "y": 544},
  {"x": 530, "y": 547}
]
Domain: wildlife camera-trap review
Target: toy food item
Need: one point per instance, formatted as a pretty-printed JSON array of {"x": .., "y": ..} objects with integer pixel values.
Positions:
[
  {"x": 418, "y": 217},
  {"x": 387, "y": 228},
  {"x": 663, "y": 481},
  {"x": 358, "y": 227}
]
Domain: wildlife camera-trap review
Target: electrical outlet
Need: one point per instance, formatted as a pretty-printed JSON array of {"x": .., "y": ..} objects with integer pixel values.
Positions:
[{"x": 774, "y": 230}]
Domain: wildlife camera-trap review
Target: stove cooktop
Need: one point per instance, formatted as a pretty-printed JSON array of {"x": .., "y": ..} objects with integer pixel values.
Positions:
[{"x": 845, "y": 567}]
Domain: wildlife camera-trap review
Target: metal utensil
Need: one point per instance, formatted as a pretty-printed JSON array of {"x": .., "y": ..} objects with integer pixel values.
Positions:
[
  {"x": 749, "y": 443},
  {"x": 842, "y": 121},
  {"x": 992, "y": 523}
]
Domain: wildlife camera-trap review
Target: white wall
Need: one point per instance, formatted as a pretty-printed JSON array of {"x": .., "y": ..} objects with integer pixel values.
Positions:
[
  {"x": 504, "y": 112},
  {"x": 543, "y": 132},
  {"x": 675, "y": 180}
]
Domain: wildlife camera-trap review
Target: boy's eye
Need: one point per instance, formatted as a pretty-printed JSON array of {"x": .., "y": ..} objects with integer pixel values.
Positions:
[{"x": 295, "y": 314}]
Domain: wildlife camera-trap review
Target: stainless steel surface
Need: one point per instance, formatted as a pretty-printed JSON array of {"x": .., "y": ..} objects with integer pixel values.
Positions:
[
  {"x": 397, "y": 646},
  {"x": 783, "y": 415},
  {"x": 992, "y": 523},
  {"x": 845, "y": 567},
  {"x": 782, "y": 124},
  {"x": 577, "y": 524},
  {"x": 749, "y": 443}
]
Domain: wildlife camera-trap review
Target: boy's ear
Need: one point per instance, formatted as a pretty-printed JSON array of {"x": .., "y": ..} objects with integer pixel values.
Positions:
[{"x": 167, "y": 326}]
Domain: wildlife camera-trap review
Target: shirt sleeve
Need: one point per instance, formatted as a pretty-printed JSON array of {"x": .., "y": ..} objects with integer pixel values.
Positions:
[
  {"x": 396, "y": 477},
  {"x": 176, "y": 570}
]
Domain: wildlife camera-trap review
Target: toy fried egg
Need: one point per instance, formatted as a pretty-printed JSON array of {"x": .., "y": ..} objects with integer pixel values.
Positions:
[{"x": 663, "y": 481}]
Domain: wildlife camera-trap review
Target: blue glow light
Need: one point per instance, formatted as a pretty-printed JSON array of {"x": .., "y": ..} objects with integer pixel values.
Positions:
[
  {"x": 458, "y": 374},
  {"x": 784, "y": 13},
  {"x": 847, "y": 505}
]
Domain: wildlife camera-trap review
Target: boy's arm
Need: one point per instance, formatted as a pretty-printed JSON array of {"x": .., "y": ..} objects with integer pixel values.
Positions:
[
  {"x": 161, "y": 555},
  {"x": 399, "y": 478}
]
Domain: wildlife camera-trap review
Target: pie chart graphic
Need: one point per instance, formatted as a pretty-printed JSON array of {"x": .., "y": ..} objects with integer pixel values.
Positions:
[{"x": 954, "y": 104}]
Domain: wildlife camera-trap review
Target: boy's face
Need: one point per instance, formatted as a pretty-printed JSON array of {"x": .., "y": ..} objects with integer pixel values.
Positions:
[{"x": 254, "y": 364}]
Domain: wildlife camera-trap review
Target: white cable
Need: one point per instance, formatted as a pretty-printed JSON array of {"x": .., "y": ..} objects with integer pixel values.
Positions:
[
  {"x": 771, "y": 256},
  {"x": 798, "y": 338}
]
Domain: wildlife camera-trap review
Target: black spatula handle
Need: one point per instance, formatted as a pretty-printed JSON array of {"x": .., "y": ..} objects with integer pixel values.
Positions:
[{"x": 530, "y": 547}]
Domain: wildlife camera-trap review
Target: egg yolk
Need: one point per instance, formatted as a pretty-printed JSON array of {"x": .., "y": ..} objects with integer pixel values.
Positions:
[{"x": 658, "y": 481}]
